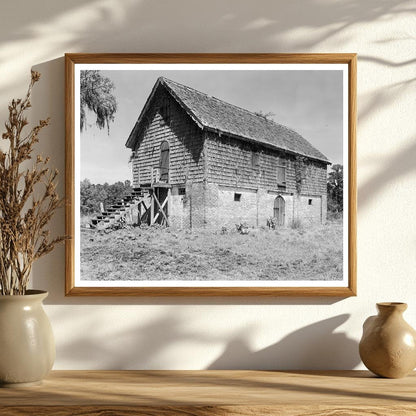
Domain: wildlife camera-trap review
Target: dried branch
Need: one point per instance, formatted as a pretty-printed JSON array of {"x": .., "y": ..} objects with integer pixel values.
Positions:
[{"x": 24, "y": 216}]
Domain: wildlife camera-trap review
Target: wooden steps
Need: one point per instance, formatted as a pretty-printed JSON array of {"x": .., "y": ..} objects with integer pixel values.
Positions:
[{"x": 119, "y": 210}]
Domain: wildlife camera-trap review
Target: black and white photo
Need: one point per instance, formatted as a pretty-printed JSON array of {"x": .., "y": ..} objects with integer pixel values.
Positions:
[{"x": 200, "y": 175}]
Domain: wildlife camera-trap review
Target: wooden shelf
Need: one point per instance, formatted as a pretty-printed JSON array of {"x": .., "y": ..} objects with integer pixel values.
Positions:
[{"x": 211, "y": 393}]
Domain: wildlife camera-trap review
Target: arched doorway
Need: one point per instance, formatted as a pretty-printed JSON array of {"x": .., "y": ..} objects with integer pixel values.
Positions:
[
  {"x": 164, "y": 162},
  {"x": 279, "y": 210}
]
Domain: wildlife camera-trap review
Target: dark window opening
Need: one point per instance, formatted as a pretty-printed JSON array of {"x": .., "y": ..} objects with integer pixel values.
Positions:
[
  {"x": 310, "y": 202},
  {"x": 281, "y": 172},
  {"x": 281, "y": 175},
  {"x": 237, "y": 197},
  {"x": 164, "y": 161},
  {"x": 255, "y": 160},
  {"x": 165, "y": 112},
  {"x": 182, "y": 191}
]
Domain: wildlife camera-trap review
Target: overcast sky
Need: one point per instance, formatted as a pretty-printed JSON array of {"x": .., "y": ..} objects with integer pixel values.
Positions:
[{"x": 309, "y": 102}]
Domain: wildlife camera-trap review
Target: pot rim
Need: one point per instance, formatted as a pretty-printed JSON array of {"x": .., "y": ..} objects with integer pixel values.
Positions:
[
  {"x": 391, "y": 303},
  {"x": 391, "y": 306},
  {"x": 30, "y": 293}
]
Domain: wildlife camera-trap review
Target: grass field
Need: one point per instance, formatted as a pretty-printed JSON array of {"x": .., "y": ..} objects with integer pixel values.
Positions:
[{"x": 152, "y": 253}]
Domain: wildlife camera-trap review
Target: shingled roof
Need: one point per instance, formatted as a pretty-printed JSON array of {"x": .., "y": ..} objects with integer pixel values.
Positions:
[{"x": 213, "y": 114}]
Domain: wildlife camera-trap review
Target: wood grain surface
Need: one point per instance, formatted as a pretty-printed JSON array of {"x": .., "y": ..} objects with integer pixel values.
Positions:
[{"x": 203, "y": 393}]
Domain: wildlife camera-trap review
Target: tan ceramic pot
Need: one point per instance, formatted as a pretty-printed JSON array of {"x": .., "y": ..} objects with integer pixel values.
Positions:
[
  {"x": 388, "y": 344},
  {"x": 27, "y": 346}
]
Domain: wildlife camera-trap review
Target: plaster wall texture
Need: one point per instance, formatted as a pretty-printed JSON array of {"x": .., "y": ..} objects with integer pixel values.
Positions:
[{"x": 193, "y": 333}]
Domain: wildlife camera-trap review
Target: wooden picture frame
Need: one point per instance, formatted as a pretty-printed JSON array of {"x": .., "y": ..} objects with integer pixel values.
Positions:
[{"x": 285, "y": 199}]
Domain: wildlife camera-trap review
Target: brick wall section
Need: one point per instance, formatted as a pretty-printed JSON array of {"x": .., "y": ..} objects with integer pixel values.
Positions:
[
  {"x": 208, "y": 205},
  {"x": 222, "y": 210},
  {"x": 197, "y": 197},
  {"x": 212, "y": 202},
  {"x": 308, "y": 209},
  {"x": 178, "y": 212},
  {"x": 185, "y": 144},
  {"x": 231, "y": 212},
  {"x": 324, "y": 202}
]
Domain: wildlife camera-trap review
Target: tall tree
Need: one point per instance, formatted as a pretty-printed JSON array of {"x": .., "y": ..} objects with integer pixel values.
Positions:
[
  {"x": 335, "y": 188},
  {"x": 97, "y": 96}
]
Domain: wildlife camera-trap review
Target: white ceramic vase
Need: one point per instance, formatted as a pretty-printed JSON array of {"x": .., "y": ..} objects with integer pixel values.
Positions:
[{"x": 27, "y": 346}]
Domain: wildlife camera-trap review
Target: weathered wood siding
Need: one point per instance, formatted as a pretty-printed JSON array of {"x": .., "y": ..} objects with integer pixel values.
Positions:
[
  {"x": 314, "y": 176},
  {"x": 185, "y": 143},
  {"x": 230, "y": 163}
]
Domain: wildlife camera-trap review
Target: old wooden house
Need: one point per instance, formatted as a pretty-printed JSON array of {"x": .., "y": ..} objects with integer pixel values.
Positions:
[{"x": 201, "y": 162}]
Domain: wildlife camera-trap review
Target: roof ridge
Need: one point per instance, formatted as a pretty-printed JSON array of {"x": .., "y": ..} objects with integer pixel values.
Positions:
[
  {"x": 226, "y": 102},
  {"x": 184, "y": 86},
  {"x": 263, "y": 118},
  {"x": 247, "y": 111}
]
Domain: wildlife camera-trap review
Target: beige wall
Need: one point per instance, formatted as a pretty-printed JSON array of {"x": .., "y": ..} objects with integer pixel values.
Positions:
[{"x": 191, "y": 333}]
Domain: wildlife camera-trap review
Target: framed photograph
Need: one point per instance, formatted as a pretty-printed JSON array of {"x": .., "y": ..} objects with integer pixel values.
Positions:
[{"x": 211, "y": 174}]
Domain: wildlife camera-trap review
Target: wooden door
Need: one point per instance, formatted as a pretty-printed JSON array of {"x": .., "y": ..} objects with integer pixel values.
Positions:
[
  {"x": 161, "y": 194},
  {"x": 279, "y": 211},
  {"x": 164, "y": 162}
]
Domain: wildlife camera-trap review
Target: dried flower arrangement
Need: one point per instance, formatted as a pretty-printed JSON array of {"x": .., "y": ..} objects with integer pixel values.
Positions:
[{"x": 28, "y": 200}]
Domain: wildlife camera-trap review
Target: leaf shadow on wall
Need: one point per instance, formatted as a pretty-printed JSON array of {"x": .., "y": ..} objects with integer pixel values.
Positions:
[
  {"x": 398, "y": 165},
  {"x": 138, "y": 26},
  {"x": 137, "y": 346},
  {"x": 313, "y": 347}
]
